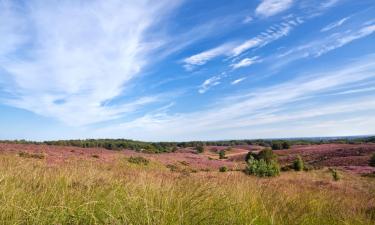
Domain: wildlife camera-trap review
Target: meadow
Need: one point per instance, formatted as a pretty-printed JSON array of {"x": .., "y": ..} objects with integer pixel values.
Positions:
[{"x": 123, "y": 192}]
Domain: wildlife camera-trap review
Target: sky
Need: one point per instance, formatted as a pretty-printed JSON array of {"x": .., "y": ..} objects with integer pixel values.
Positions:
[{"x": 175, "y": 70}]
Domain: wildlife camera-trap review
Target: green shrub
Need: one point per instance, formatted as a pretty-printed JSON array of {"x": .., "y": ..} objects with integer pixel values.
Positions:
[
  {"x": 298, "y": 164},
  {"x": 262, "y": 168},
  {"x": 31, "y": 155},
  {"x": 223, "y": 169},
  {"x": 200, "y": 149},
  {"x": 335, "y": 175},
  {"x": 286, "y": 145},
  {"x": 372, "y": 160},
  {"x": 138, "y": 160},
  {"x": 267, "y": 155},
  {"x": 222, "y": 154}
]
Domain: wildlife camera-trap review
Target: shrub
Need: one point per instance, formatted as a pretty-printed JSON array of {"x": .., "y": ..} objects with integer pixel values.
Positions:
[
  {"x": 222, "y": 154},
  {"x": 199, "y": 148},
  {"x": 277, "y": 146},
  {"x": 138, "y": 160},
  {"x": 95, "y": 156},
  {"x": 223, "y": 169},
  {"x": 286, "y": 145},
  {"x": 262, "y": 168},
  {"x": 31, "y": 155},
  {"x": 267, "y": 155},
  {"x": 335, "y": 175},
  {"x": 298, "y": 164},
  {"x": 372, "y": 160}
]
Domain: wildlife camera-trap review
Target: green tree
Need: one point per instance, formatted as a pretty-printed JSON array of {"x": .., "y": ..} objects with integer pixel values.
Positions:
[{"x": 286, "y": 145}]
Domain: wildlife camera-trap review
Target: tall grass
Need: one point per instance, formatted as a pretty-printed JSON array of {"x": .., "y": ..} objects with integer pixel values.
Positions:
[{"x": 31, "y": 192}]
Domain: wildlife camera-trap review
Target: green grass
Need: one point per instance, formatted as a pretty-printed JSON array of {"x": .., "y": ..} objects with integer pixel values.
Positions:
[{"x": 89, "y": 192}]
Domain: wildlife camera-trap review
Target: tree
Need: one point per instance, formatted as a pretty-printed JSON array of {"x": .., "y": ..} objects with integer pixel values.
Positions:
[
  {"x": 222, "y": 154},
  {"x": 261, "y": 168},
  {"x": 298, "y": 164}
]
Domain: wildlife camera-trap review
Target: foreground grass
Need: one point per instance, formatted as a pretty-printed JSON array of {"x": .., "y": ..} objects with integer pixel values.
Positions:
[{"x": 123, "y": 193}]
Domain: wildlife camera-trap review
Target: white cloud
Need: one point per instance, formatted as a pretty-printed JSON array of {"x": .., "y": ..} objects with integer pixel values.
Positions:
[
  {"x": 248, "y": 19},
  {"x": 272, "y": 7},
  {"x": 335, "y": 24},
  {"x": 76, "y": 57},
  {"x": 203, "y": 57},
  {"x": 329, "y": 3},
  {"x": 238, "y": 80},
  {"x": 245, "y": 62},
  {"x": 207, "y": 84}
]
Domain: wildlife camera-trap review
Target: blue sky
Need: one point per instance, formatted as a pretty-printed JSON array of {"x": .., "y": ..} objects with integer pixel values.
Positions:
[{"x": 186, "y": 70}]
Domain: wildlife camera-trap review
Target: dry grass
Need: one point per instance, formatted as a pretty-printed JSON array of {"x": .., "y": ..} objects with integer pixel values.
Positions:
[{"x": 89, "y": 192}]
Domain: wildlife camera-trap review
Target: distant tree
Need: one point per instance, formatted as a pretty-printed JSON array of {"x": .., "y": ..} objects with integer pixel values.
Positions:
[
  {"x": 298, "y": 164},
  {"x": 223, "y": 169}
]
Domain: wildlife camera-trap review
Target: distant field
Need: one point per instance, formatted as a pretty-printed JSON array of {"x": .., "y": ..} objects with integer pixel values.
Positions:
[{"x": 42, "y": 184}]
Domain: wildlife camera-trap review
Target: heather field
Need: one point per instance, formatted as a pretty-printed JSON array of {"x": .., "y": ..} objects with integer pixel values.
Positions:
[{"x": 42, "y": 184}]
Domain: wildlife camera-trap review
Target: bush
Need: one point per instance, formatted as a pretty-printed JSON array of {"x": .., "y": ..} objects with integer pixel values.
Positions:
[
  {"x": 31, "y": 155},
  {"x": 200, "y": 149},
  {"x": 298, "y": 164},
  {"x": 223, "y": 169},
  {"x": 267, "y": 155},
  {"x": 372, "y": 160},
  {"x": 286, "y": 145},
  {"x": 277, "y": 146},
  {"x": 138, "y": 160},
  {"x": 222, "y": 154},
  {"x": 262, "y": 168},
  {"x": 335, "y": 175}
]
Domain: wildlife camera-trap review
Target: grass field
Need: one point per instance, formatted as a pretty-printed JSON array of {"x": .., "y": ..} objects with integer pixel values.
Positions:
[{"x": 89, "y": 192}]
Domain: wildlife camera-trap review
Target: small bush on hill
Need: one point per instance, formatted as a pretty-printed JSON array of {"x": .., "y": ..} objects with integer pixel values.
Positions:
[
  {"x": 223, "y": 169},
  {"x": 262, "y": 168},
  {"x": 335, "y": 175},
  {"x": 31, "y": 155},
  {"x": 138, "y": 160},
  {"x": 200, "y": 149},
  {"x": 267, "y": 155},
  {"x": 372, "y": 160},
  {"x": 222, "y": 154},
  {"x": 298, "y": 164}
]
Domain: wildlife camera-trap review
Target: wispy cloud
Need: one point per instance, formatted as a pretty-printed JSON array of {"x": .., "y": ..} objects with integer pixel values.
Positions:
[
  {"x": 203, "y": 57},
  {"x": 272, "y": 7},
  {"x": 246, "y": 62},
  {"x": 210, "y": 82},
  {"x": 76, "y": 56},
  {"x": 238, "y": 81},
  {"x": 248, "y": 19},
  {"x": 268, "y": 106},
  {"x": 319, "y": 47},
  {"x": 335, "y": 24}
]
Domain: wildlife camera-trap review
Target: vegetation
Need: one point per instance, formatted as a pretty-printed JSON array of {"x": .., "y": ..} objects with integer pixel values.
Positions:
[
  {"x": 372, "y": 160},
  {"x": 158, "y": 147},
  {"x": 223, "y": 169},
  {"x": 335, "y": 175},
  {"x": 200, "y": 149},
  {"x": 90, "y": 192},
  {"x": 263, "y": 164},
  {"x": 138, "y": 160},
  {"x": 222, "y": 154},
  {"x": 31, "y": 155},
  {"x": 298, "y": 164}
]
